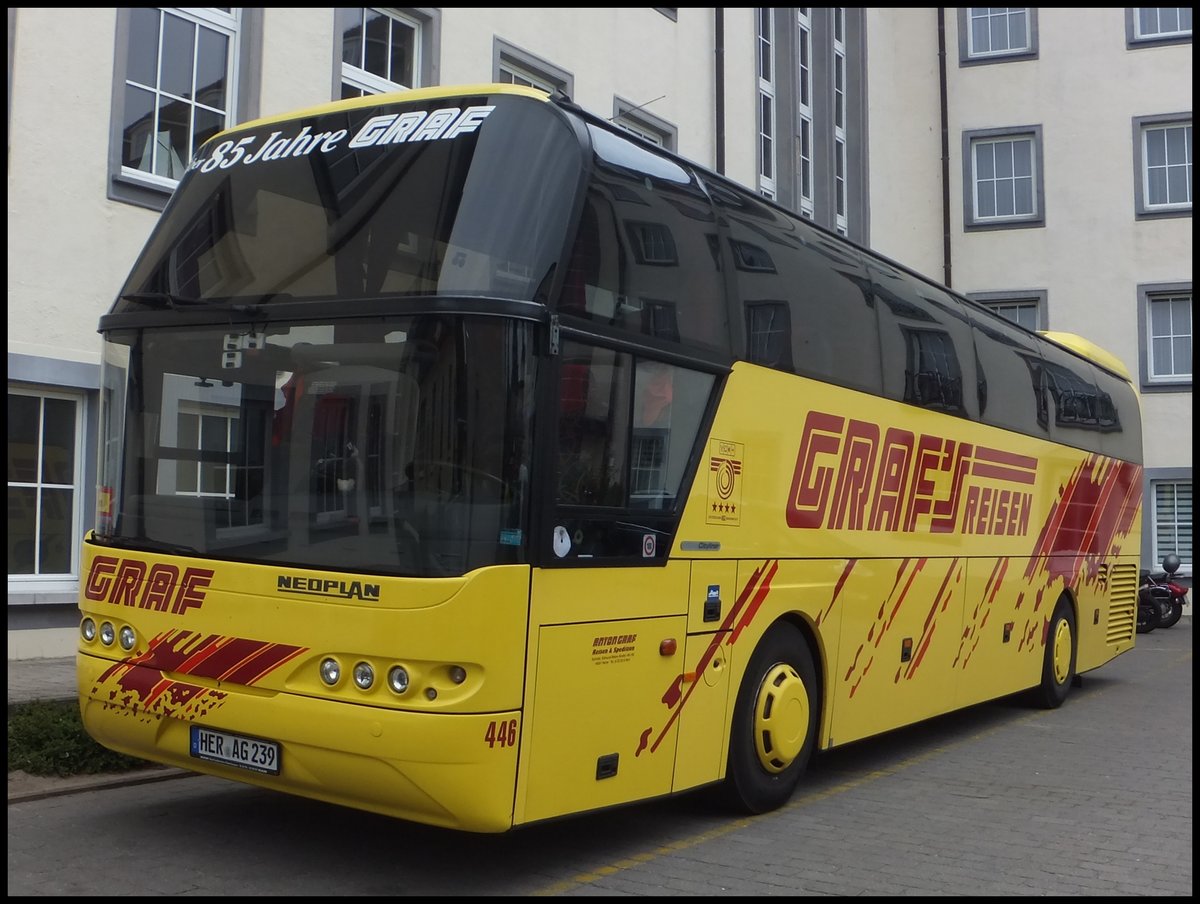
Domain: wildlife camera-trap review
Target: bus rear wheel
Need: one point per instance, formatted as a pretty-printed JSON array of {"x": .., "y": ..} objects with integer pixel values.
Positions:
[
  {"x": 775, "y": 723},
  {"x": 1058, "y": 666}
]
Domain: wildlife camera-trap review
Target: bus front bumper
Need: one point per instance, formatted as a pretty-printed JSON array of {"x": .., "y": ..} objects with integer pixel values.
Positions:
[{"x": 433, "y": 768}]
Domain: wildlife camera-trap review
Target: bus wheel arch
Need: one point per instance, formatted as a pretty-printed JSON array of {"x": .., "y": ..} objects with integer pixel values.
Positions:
[
  {"x": 776, "y": 720},
  {"x": 1060, "y": 656}
]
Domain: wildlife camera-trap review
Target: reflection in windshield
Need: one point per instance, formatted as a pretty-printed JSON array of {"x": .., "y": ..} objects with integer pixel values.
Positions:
[
  {"x": 477, "y": 211},
  {"x": 394, "y": 446}
]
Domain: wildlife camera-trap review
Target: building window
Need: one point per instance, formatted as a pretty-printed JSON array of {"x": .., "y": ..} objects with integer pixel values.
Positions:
[
  {"x": 1163, "y": 165},
  {"x": 1165, "y": 336},
  {"x": 1153, "y": 26},
  {"x": 1173, "y": 520},
  {"x": 1002, "y": 178},
  {"x": 804, "y": 111},
  {"x": 1169, "y": 334},
  {"x": 766, "y": 102},
  {"x": 380, "y": 51},
  {"x": 996, "y": 35},
  {"x": 44, "y": 469},
  {"x": 841, "y": 222},
  {"x": 177, "y": 88},
  {"x": 513, "y": 66},
  {"x": 632, "y": 118},
  {"x": 1027, "y": 309}
]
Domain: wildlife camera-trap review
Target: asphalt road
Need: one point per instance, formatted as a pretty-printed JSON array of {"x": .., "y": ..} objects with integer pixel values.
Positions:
[{"x": 1092, "y": 799}]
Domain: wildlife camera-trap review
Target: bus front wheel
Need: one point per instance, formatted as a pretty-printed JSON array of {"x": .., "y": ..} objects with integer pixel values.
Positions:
[
  {"x": 775, "y": 723},
  {"x": 1058, "y": 666}
]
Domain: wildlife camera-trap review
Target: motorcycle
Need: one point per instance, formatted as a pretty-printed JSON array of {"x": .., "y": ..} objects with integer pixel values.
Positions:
[{"x": 1160, "y": 599}]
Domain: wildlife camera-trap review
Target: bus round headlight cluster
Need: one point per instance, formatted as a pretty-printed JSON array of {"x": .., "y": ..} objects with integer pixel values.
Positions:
[
  {"x": 107, "y": 634},
  {"x": 398, "y": 679},
  {"x": 364, "y": 675},
  {"x": 88, "y": 630},
  {"x": 331, "y": 672},
  {"x": 127, "y": 638}
]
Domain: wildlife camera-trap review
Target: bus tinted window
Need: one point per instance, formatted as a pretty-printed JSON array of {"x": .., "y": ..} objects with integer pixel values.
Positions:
[
  {"x": 1123, "y": 437},
  {"x": 627, "y": 426},
  {"x": 480, "y": 210},
  {"x": 1077, "y": 407},
  {"x": 1011, "y": 393},
  {"x": 804, "y": 299},
  {"x": 925, "y": 341},
  {"x": 643, "y": 259}
]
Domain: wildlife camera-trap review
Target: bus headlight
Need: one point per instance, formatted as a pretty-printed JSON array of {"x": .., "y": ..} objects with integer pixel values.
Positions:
[
  {"x": 364, "y": 675},
  {"x": 398, "y": 679},
  {"x": 458, "y": 674},
  {"x": 127, "y": 638},
  {"x": 88, "y": 630},
  {"x": 331, "y": 672},
  {"x": 107, "y": 634}
]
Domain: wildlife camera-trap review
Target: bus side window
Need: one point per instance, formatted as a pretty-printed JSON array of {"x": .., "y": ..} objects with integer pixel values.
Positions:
[
  {"x": 642, "y": 260},
  {"x": 593, "y": 411},
  {"x": 926, "y": 345},
  {"x": 627, "y": 428},
  {"x": 1008, "y": 359},
  {"x": 804, "y": 298}
]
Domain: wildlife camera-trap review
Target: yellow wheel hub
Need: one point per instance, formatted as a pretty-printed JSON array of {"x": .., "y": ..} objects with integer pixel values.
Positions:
[
  {"x": 781, "y": 715},
  {"x": 1062, "y": 651}
]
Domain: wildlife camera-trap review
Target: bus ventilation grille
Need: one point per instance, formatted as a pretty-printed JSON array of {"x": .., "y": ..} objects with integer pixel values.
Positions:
[{"x": 1122, "y": 603}]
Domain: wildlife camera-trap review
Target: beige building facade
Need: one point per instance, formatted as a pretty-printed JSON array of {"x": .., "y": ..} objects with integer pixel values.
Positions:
[{"x": 1038, "y": 160}]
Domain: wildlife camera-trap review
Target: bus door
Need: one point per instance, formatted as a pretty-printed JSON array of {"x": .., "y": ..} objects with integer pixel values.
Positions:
[{"x": 600, "y": 728}]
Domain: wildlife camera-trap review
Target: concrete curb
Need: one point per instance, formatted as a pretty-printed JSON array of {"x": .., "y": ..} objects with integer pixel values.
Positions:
[{"x": 25, "y": 787}]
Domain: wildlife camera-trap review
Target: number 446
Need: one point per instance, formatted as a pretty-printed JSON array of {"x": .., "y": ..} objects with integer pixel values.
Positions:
[{"x": 502, "y": 733}]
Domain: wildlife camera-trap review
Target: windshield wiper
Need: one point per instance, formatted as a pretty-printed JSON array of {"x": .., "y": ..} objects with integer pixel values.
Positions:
[{"x": 162, "y": 299}]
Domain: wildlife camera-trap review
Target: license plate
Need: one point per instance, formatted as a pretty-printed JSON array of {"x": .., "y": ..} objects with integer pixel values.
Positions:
[{"x": 235, "y": 750}]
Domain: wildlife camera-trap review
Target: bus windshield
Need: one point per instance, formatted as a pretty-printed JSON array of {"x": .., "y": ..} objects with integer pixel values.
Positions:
[
  {"x": 464, "y": 196},
  {"x": 396, "y": 445}
]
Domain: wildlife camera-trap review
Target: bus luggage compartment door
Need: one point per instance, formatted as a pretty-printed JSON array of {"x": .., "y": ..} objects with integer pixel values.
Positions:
[{"x": 603, "y": 729}]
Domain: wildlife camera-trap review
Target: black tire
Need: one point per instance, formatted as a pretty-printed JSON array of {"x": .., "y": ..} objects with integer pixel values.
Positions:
[
  {"x": 1147, "y": 618},
  {"x": 1058, "y": 664},
  {"x": 1169, "y": 613},
  {"x": 775, "y": 723}
]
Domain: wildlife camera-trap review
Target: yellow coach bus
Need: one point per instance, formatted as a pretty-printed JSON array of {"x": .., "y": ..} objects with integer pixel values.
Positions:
[{"x": 468, "y": 460}]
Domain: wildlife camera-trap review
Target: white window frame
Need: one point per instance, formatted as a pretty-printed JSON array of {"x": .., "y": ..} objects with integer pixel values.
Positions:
[
  {"x": 1178, "y": 522},
  {"x": 65, "y": 581},
  {"x": 362, "y": 80},
  {"x": 1186, "y": 163},
  {"x": 1180, "y": 31},
  {"x": 841, "y": 185},
  {"x": 637, "y": 121},
  {"x": 1013, "y": 309},
  {"x": 972, "y": 142},
  {"x": 765, "y": 69},
  {"x": 1176, "y": 332},
  {"x": 804, "y": 112},
  {"x": 517, "y": 75},
  {"x": 1008, "y": 13},
  {"x": 226, "y": 23}
]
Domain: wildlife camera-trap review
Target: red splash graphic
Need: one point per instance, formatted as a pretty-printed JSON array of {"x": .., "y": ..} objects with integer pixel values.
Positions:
[
  {"x": 905, "y": 575},
  {"x": 142, "y": 683},
  {"x": 1095, "y": 510},
  {"x": 740, "y": 615}
]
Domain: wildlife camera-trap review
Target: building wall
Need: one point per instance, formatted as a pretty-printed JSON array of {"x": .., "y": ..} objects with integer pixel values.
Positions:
[{"x": 905, "y": 142}]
